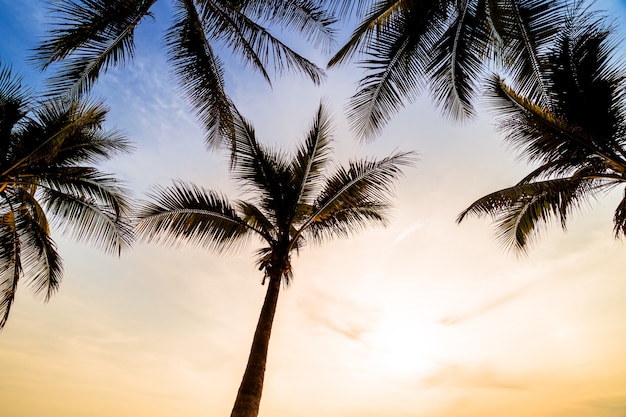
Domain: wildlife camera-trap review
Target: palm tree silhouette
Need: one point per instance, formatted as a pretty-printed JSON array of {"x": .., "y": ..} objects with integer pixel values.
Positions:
[
  {"x": 94, "y": 35},
  {"x": 47, "y": 152},
  {"x": 447, "y": 46},
  {"x": 576, "y": 137},
  {"x": 292, "y": 202}
]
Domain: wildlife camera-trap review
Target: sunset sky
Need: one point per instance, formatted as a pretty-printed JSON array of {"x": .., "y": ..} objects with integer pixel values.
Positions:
[{"x": 425, "y": 318}]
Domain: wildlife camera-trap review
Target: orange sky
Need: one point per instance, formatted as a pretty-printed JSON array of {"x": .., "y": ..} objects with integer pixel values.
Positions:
[{"x": 425, "y": 318}]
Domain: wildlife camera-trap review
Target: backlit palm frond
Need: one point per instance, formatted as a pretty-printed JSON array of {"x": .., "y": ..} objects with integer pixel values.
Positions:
[
  {"x": 349, "y": 8},
  {"x": 261, "y": 222},
  {"x": 15, "y": 101},
  {"x": 310, "y": 18},
  {"x": 312, "y": 157},
  {"x": 10, "y": 260},
  {"x": 40, "y": 262},
  {"x": 587, "y": 83},
  {"x": 262, "y": 172},
  {"x": 79, "y": 137},
  {"x": 619, "y": 219},
  {"x": 458, "y": 61},
  {"x": 91, "y": 36},
  {"x": 542, "y": 135},
  {"x": 255, "y": 44},
  {"x": 396, "y": 61},
  {"x": 381, "y": 17},
  {"x": 355, "y": 196},
  {"x": 89, "y": 206},
  {"x": 56, "y": 124},
  {"x": 190, "y": 214},
  {"x": 200, "y": 74},
  {"x": 525, "y": 29},
  {"x": 519, "y": 211}
]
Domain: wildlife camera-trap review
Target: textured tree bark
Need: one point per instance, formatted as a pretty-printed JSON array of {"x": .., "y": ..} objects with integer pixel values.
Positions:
[{"x": 249, "y": 396}]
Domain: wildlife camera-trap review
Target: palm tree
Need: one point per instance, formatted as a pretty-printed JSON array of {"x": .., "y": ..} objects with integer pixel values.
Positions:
[
  {"x": 577, "y": 138},
  {"x": 292, "y": 202},
  {"x": 92, "y": 36},
  {"x": 448, "y": 45},
  {"x": 47, "y": 150}
]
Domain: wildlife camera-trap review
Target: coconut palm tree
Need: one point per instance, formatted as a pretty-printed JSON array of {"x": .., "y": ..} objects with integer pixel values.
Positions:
[
  {"x": 407, "y": 45},
  {"x": 47, "y": 152},
  {"x": 92, "y": 36},
  {"x": 291, "y": 202},
  {"x": 577, "y": 138}
]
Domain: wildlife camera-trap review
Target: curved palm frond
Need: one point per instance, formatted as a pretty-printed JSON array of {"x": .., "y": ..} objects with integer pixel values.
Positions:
[
  {"x": 308, "y": 17},
  {"x": 190, "y": 214},
  {"x": 11, "y": 265},
  {"x": 353, "y": 197},
  {"x": 311, "y": 158},
  {"x": 525, "y": 29},
  {"x": 200, "y": 74},
  {"x": 89, "y": 206},
  {"x": 379, "y": 16},
  {"x": 262, "y": 171},
  {"x": 542, "y": 135},
  {"x": 458, "y": 61},
  {"x": 254, "y": 43},
  {"x": 91, "y": 37},
  {"x": 40, "y": 262},
  {"x": 518, "y": 211}
]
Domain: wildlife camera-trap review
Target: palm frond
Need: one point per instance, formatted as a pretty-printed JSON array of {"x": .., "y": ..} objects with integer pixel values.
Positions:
[
  {"x": 10, "y": 262},
  {"x": 379, "y": 17},
  {"x": 398, "y": 51},
  {"x": 310, "y": 18},
  {"x": 521, "y": 210},
  {"x": 525, "y": 29},
  {"x": 458, "y": 62},
  {"x": 312, "y": 156},
  {"x": 355, "y": 195},
  {"x": 91, "y": 36},
  {"x": 200, "y": 74},
  {"x": 40, "y": 261},
  {"x": 261, "y": 171},
  {"x": 190, "y": 214},
  {"x": 255, "y": 44},
  {"x": 619, "y": 219},
  {"x": 542, "y": 135},
  {"x": 89, "y": 206},
  {"x": 15, "y": 101}
]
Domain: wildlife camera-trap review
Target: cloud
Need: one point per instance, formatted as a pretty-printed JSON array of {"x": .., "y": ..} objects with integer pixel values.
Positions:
[
  {"x": 340, "y": 316},
  {"x": 481, "y": 377},
  {"x": 487, "y": 306},
  {"x": 412, "y": 229}
]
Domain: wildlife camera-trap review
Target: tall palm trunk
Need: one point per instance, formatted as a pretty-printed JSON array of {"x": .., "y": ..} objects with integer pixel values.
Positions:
[{"x": 249, "y": 395}]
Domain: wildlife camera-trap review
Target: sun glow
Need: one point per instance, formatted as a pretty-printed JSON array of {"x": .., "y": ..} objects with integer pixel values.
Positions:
[{"x": 401, "y": 346}]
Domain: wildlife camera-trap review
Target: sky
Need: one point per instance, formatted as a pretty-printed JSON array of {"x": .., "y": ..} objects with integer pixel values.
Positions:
[{"x": 424, "y": 318}]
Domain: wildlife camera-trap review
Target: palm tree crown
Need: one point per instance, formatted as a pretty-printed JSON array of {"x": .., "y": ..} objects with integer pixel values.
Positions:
[
  {"x": 94, "y": 35},
  {"x": 447, "y": 45},
  {"x": 47, "y": 152},
  {"x": 576, "y": 136},
  {"x": 292, "y": 202}
]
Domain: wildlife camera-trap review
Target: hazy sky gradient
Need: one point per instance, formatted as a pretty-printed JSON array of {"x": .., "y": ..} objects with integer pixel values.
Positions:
[{"x": 425, "y": 318}]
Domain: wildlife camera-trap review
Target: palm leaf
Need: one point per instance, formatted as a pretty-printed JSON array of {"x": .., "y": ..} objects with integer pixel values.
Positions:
[
  {"x": 200, "y": 74},
  {"x": 354, "y": 196},
  {"x": 190, "y": 214},
  {"x": 91, "y": 37},
  {"x": 519, "y": 211},
  {"x": 312, "y": 156}
]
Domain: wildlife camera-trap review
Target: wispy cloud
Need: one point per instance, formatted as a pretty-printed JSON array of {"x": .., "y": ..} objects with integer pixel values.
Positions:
[{"x": 488, "y": 306}]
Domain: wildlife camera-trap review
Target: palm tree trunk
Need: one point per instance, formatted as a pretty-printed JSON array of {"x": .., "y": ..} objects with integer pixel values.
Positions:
[{"x": 249, "y": 395}]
